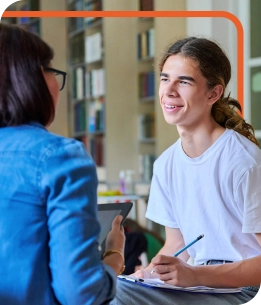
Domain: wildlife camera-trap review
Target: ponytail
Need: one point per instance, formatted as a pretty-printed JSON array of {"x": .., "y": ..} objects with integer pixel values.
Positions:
[{"x": 225, "y": 113}]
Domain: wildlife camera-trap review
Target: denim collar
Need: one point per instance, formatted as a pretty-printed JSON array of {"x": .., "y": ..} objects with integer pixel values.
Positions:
[{"x": 37, "y": 124}]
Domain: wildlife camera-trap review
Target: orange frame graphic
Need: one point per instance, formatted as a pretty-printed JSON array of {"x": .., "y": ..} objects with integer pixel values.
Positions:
[{"x": 165, "y": 14}]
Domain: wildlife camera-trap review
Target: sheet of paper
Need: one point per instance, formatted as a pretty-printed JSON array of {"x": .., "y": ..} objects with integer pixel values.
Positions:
[{"x": 157, "y": 283}]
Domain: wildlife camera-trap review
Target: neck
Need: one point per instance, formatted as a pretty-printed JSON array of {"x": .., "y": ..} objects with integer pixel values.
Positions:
[{"x": 195, "y": 141}]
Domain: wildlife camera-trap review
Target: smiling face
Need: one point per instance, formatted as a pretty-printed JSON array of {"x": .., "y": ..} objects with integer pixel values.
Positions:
[{"x": 185, "y": 99}]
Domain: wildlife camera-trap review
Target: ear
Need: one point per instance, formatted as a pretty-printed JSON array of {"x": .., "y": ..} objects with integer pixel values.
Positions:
[{"x": 214, "y": 94}]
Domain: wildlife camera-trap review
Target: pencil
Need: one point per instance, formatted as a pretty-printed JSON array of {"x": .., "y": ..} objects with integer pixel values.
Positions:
[{"x": 186, "y": 247}]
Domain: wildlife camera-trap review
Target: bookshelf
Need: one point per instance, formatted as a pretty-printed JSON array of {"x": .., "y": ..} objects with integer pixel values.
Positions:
[
  {"x": 87, "y": 91},
  {"x": 100, "y": 99},
  {"x": 50, "y": 30},
  {"x": 32, "y": 24},
  {"x": 146, "y": 92},
  {"x": 113, "y": 104}
]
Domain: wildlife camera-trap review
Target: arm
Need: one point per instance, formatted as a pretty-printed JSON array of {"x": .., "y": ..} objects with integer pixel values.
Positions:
[
  {"x": 174, "y": 242},
  {"x": 69, "y": 187},
  {"x": 115, "y": 241},
  {"x": 239, "y": 274}
]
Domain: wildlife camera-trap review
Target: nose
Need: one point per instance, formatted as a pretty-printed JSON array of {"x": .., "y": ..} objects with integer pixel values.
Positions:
[{"x": 170, "y": 90}]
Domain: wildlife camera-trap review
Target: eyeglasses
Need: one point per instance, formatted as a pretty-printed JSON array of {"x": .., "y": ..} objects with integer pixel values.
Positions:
[{"x": 60, "y": 76}]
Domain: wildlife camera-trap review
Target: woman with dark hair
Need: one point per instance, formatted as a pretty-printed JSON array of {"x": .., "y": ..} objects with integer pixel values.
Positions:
[
  {"x": 208, "y": 182},
  {"x": 48, "y": 190}
]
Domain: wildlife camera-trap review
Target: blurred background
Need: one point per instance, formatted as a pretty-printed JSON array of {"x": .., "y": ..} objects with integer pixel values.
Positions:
[{"x": 110, "y": 100}]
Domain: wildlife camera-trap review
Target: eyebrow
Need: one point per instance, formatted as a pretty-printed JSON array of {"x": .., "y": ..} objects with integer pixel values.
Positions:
[{"x": 183, "y": 77}]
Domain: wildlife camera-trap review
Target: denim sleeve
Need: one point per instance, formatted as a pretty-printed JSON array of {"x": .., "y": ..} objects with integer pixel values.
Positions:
[{"x": 68, "y": 181}]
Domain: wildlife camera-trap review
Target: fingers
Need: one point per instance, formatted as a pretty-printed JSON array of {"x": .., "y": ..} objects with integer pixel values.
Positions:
[
  {"x": 142, "y": 273},
  {"x": 164, "y": 264},
  {"x": 117, "y": 221},
  {"x": 163, "y": 259},
  {"x": 163, "y": 269}
]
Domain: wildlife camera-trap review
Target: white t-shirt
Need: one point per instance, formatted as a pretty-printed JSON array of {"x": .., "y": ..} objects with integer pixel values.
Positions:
[{"x": 217, "y": 194}]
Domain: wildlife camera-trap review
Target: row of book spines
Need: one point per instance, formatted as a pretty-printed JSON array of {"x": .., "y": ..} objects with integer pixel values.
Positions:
[
  {"x": 146, "y": 5},
  {"x": 94, "y": 119},
  {"x": 80, "y": 117},
  {"x": 146, "y": 84},
  {"x": 90, "y": 84},
  {"x": 93, "y": 47},
  {"x": 146, "y": 48},
  {"x": 146, "y": 167},
  {"x": 77, "y": 24},
  {"x": 31, "y": 5},
  {"x": 95, "y": 146},
  {"x": 92, "y": 6},
  {"x": 86, "y": 49},
  {"x": 97, "y": 149},
  {"x": 96, "y": 116},
  {"x": 87, "y": 5},
  {"x": 147, "y": 129}
]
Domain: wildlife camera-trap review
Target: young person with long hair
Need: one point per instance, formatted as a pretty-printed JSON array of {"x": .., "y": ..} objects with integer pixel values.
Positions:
[
  {"x": 48, "y": 190},
  {"x": 208, "y": 182}
]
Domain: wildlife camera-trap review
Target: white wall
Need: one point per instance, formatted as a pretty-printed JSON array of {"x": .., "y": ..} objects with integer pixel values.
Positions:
[{"x": 221, "y": 30}]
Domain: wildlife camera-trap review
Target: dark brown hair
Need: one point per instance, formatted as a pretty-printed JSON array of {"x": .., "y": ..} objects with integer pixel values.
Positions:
[
  {"x": 216, "y": 69},
  {"x": 24, "y": 95}
]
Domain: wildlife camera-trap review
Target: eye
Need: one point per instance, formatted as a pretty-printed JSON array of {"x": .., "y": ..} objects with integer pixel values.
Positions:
[
  {"x": 184, "y": 82},
  {"x": 163, "y": 79}
]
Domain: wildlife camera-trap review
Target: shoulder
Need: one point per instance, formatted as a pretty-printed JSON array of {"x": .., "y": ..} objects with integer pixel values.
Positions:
[
  {"x": 167, "y": 155},
  {"x": 243, "y": 146},
  {"x": 36, "y": 141}
]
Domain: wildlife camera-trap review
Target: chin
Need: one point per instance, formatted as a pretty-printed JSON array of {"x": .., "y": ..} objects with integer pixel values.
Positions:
[{"x": 170, "y": 120}]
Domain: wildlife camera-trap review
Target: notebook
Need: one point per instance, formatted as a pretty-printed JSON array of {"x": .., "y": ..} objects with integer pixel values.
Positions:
[{"x": 158, "y": 284}]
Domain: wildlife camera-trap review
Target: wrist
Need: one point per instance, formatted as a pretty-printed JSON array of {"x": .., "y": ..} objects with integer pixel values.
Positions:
[{"x": 118, "y": 253}]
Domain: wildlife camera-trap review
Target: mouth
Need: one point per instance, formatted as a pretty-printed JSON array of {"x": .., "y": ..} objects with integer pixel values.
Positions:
[{"x": 172, "y": 107}]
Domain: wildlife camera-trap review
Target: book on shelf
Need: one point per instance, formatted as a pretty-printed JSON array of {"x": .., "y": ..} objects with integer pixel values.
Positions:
[
  {"x": 146, "y": 84},
  {"x": 34, "y": 5},
  {"x": 98, "y": 82},
  {"x": 151, "y": 42},
  {"x": 145, "y": 40},
  {"x": 75, "y": 23},
  {"x": 78, "y": 82},
  {"x": 76, "y": 48},
  {"x": 147, "y": 126},
  {"x": 146, "y": 5},
  {"x": 96, "y": 115},
  {"x": 33, "y": 25},
  {"x": 96, "y": 149},
  {"x": 24, "y": 20},
  {"x": 146, "y": 166},
  {"x": 95, "y": 83},
  {"x": 93, "y": 47},
  {"x": 80, "y": 116},
  {"x": 95, "y": 5}
]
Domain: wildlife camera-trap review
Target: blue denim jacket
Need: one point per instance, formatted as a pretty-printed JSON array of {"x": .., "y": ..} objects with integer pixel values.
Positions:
[{"x": 48, "y": 221}]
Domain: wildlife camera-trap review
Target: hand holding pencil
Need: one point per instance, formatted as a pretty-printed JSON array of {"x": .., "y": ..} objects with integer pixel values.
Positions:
[{"x": 186, "y": 247}]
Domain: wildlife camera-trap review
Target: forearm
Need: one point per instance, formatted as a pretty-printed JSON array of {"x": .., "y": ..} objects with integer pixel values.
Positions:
[
  {"x": 168, "y": 249},
  {"x": 115, "y": 261},
  {"x": 238, "y": 274}
]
